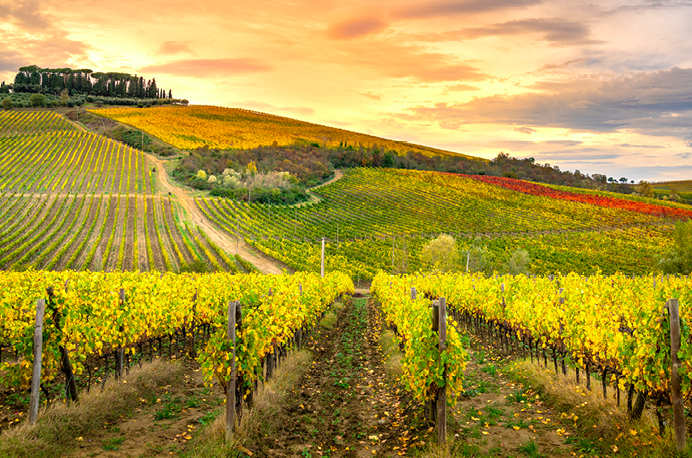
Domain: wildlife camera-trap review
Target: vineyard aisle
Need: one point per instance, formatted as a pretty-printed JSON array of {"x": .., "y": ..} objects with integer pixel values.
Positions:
[
  {"x": 349, "y": 405},
  {"x": 344, "y": 406},
  {"x": 264, "y": 264}
]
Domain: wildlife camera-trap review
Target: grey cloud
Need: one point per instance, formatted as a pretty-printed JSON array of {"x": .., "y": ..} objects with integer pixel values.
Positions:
[
  {"x": 524, "y": 130},
  {"x": 563, "y": 142},
  {"x": 577, "y": 155},
  {"x": 563, "y": 64},
  {"x": 48, "y": 50},
  {"x": 646, "y": 102},
  {"x": 553, "y": 30},
  {"x": 446, "y": 8},
  {"x": 628, "y": 145},
  {"x": 684, "y": 155}
]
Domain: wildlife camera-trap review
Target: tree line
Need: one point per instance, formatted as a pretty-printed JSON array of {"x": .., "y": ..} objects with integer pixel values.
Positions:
[
  {"x": 312, "y": 163},
  {"x": 34, "y": 79}
]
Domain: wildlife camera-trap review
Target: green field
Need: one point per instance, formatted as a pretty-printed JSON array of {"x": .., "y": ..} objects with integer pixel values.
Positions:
[
  {"x": 71, "y": 199},
  {"x": 380, "y": 219}
]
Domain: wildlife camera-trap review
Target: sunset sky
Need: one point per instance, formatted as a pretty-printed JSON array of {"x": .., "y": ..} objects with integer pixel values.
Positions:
[{"x": 603, "y": 87}]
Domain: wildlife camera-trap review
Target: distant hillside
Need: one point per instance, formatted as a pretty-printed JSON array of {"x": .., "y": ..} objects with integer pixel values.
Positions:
[
  {"x": 195, "y": 127},
  {"x": 679, "y": 190},
  {"x": 380, "y": 219}
]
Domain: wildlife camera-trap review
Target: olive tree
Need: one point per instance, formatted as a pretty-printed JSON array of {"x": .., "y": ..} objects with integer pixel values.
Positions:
[{"x": 441, "y": 254}]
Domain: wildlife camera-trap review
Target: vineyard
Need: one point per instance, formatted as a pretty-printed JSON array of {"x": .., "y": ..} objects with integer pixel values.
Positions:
[
  {"x": 610, "y": 325},
  {"x": 218, "y": 127},
  {"x": 622, "y": 331},
  {"x": 379, "y": 219},
  {"x": 72, "y": 199},
  {"x": 83, "y": 305}
]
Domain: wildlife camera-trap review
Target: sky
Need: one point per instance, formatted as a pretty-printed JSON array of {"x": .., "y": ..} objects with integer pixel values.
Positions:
[{"x": 602, "y": 87}]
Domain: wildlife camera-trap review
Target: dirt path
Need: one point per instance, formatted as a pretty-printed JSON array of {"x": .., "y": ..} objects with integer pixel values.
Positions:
[
  {"x": 219, "y": 238},
  {"x": 314, "y": 198},
  {"x": 343, "y": 407}
]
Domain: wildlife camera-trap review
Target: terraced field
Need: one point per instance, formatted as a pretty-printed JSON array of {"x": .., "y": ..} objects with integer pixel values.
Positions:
[
  {"x": 71, "y": 199},
  {"x": 379, "y": 219}
]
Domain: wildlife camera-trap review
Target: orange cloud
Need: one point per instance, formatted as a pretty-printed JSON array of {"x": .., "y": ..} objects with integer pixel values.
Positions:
[
  {"x": 201, "y": 68},
  {"x": 355, "y": 28},
  {"x": 175, "y": 47}
]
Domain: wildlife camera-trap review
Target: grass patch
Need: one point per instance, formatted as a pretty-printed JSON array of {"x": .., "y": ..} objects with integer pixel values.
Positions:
[
  {"x": 113, "y": 444},
  {"x": 530, "y": 449},
  {"x": 209, "y": 441},
  {"x": 58, "y": 425},
  {"x": 392, "y": 355},
  {"x": 329, "y": 320},
  {"x": 603, "y": 428}
]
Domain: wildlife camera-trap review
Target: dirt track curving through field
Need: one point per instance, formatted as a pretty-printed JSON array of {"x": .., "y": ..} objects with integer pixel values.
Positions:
[{"x": 264, "y": 264}]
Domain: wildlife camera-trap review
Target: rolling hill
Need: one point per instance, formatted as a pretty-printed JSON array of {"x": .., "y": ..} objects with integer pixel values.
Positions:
[{"x": 190, "y": 127}]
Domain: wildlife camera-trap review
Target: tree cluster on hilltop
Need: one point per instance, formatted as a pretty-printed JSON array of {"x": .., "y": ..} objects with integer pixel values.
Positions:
[{"x": 34, "y": 79}]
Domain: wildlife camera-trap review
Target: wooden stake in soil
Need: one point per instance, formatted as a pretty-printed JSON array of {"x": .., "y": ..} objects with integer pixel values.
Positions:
[
  {"x": 38, "y": 352},
  {"x": 432, "y": 406},
  {"x": 322, "y": 268},
  {"x": 442, "y": 391},
  {"x": 119, "y": 354},
  {"x": 70, "y": 384},
  {"x": 676, "y": 393},
  {"x": 230, "y": 387}
]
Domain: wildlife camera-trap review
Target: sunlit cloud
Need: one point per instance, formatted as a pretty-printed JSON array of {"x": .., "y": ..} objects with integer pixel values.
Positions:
[
  {"x": 355, "y": 28},
  {"x": 203, "y": 68},
  {"x": 175, "y": 47},
  {"x": 25, "y": 14}
]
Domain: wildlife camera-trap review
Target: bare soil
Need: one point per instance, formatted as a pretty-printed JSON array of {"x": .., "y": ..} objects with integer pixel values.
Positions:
[
  {"x": 118, "y": 226},
  {"x": 79, "y": 261},
  {"x": 177, "y": 236},
  {"x": 153, "y": 240},
  {"x": 143, "y": 261},
  {"x": 129, "y": 236},
  {"x": 344, "y": 407}
]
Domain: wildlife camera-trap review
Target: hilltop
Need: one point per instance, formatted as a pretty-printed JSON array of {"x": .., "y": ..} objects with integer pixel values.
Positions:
[{"x": 202, "y": 126}]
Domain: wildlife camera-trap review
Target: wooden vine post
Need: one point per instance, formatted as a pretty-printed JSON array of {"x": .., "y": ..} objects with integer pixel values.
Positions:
[
  {"x": 676, "y": 393},
  {"x": 233, "y": 307},
  {"x": 442, "y": 390},
  {"x": 432, "y": 406},
  {"x": 66, "y": 366},
  {"x": 322, "y": 264},
  {"x": 120, "y": 352},
  {"x": 192, "y": 351},
  {"x": 38, "y": 352}
]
